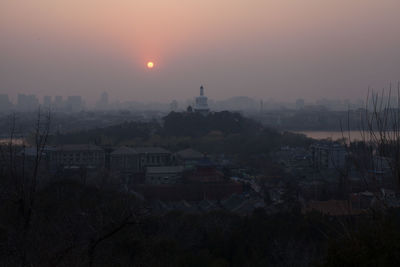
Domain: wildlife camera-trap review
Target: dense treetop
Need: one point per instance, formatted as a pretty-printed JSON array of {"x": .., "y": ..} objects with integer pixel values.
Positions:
[
  {"x": 195, "y": 124},
  {"x": 217, "y": 132}
]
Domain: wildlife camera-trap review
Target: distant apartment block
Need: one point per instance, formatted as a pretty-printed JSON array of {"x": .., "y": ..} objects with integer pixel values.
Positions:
[
  {"x": 103, "y": 101},
  {"x": 74, "y": 103},
  {"x": 328, "y": 155},
  {"x": 27, "y": 102},
  {"x": 58, "y": 102},
  {"x": 5, "y": 103},
  {"x": 47, "y": 101}
]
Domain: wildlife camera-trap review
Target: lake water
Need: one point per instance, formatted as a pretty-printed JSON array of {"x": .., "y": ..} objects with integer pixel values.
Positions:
[
  {"x": 16, "y": 141},
  {"x": 334, "y": 135}
]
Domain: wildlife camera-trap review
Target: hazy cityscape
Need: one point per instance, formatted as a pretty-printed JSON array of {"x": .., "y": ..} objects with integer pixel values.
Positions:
[
  {"x": 77, "y": 103},
  {"x": 221, "y": 133}
]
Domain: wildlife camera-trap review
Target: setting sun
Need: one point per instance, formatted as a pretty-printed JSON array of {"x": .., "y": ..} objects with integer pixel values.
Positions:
[{"x": 150, "y": 64}]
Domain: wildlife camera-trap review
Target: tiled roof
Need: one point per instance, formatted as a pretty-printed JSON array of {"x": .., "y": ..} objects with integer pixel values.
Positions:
[
  {"x": 205, "y": 162},
  {"x": 165, "y": 169},
  {"x": 190, "y": 154},
  {"x": 151, "y": 150},
  {"x": 331, "y": 207},
  {"x": 124, "y": 151},
  {"x": 86, "y": 147}
]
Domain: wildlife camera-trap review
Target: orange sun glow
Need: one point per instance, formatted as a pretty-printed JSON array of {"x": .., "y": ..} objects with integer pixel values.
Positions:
[{"x": 150, "y": 64}]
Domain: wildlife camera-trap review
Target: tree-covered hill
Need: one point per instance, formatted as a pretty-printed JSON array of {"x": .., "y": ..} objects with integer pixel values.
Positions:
[
  {"x": 194, "y": 124},
  {"x": 219, "y": 132}
]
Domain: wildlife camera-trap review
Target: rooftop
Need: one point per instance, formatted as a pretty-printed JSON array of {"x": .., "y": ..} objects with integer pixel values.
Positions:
[
  {"x": 79, "y": 148},
  {"x": 151, "y": 150},
  {"x": 124, "y": 151},
  {"x": 165, "y": 169},
  {"x": 190, "y": 154},
  {"x": 331, "y": 207}
]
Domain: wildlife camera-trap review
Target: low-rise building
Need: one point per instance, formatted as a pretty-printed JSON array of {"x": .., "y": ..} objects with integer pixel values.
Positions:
[
  {"x": 328, "y": 155},
  {"x": 188, "y": 157},
  {"x": 152, "y": 156},
  {"x": 79, "y": 156},
  {"x": 205, "y": 172},
  {"x": 124, "y": 160},
  {"x": 164, "y": 174}
]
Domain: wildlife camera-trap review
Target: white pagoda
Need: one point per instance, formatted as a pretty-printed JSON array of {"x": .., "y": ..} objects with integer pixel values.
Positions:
[{"x": 201, "y": 105}]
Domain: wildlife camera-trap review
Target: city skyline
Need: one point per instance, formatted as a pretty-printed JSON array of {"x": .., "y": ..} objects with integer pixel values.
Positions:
[{"x": 74, "y": 103}]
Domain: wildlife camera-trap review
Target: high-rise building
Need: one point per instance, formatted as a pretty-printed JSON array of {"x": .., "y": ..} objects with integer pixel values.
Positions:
[
  {"x": 103, "y": 101},
  {"x": 5, "y": 103},
  {"x": 58, "y": 102},
  {"x": 27, "y": 102},
  {"x": 74, "y": 103},
  {"x": 47, "y": 101},
  {"x": 299, "y": 103}
]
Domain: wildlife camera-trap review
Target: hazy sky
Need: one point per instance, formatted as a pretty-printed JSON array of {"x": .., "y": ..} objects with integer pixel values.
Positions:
[{"x": 282, "y": 49}]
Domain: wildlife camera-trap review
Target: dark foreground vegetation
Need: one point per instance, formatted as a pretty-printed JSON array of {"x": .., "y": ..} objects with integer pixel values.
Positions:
[{"x": 74, "y": 224}]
